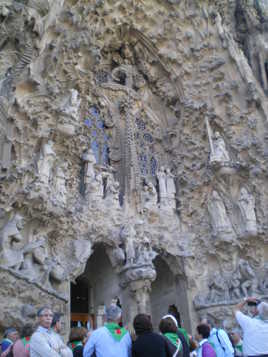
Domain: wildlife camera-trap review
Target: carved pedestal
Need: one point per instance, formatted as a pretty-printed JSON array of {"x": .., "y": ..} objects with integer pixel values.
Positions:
[{"x": 136, "y": 282}]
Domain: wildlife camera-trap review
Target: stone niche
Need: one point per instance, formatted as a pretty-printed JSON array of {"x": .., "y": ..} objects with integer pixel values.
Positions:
[{"x": 133, "y": 158}]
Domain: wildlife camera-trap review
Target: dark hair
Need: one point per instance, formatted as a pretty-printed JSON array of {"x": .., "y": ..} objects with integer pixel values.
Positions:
[
  {"x": 77, "y": 334},
  {"x": 56, "y": 318},
  {"x": 40, "y": 311},
  {"x": 9, "y": 330},
  {"x": 27, "y": 330},
  {"x": 142, "y": 323},
  {"x": 167, "y": 325},
  {"x": 172, "y": 310},
  {"x": 203, "y": 330}
]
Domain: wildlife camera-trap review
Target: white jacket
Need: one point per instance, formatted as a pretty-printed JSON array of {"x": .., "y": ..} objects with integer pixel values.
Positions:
[{"x": 46, "y": 343}]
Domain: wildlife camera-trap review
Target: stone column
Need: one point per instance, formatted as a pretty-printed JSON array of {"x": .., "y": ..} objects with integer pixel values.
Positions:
[{"x": 136, "y": 291}]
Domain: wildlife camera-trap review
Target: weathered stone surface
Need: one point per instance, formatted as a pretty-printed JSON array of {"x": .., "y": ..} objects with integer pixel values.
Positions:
[{"x": 138, "y": 129}]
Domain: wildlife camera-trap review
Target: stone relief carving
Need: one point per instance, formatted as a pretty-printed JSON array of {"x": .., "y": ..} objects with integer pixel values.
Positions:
[
  {"x": 221, "y": 224},
  {"x": 218, "y": 288},
  {"x": 72, "y": 104},
  {"x": 167, "y": 189},
  {"x": 149, "y": 197},
  {"x": 127, "y": 234},
  {"x": 219, "y": 152},
  {"x": 59, "y": 184},
  {"x": 89, "y": 160},
  {"x": 93, "y": 180},
  {"x": 112, "y": 188},
  {"x": 28, "y": 259},
  {"x": 228, "y": 287},
  {"x": 246, "y": 204},
  {"x": 10, "y": 235},
  {"x": 45, "y": 162}
]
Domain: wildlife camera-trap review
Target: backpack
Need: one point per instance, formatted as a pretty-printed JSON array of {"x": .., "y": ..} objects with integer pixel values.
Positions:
[
  {"x": 8, "y": 352},
  {"x": 209, "y": 349}
]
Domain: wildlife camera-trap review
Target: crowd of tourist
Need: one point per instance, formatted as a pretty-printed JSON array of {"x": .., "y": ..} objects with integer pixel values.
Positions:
[{"x": 249, "y": 339}]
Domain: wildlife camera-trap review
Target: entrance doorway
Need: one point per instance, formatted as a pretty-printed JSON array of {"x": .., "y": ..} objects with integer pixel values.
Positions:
[
  {"x": 167, "y": 290},
  {"x": 95, "y": 289}
]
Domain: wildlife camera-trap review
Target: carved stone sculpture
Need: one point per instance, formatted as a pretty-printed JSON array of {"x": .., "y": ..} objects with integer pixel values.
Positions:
[
  {"x": 262, "y": 53},
  {"x": 145, "y": 254},
  {"x": 93, "y": 182},
  {"x": 249, "y": 282},
  {"x": 220, "y": 153},
  {"x": 161, "y": 176},
  {"x": 127, "y": 235},
  {"x": 149, "y": 196},
  {"x": 246, "y": 204},
  {"x": 167, "y": 189},
  {"x": 11, "y": 253},
  {"x": 81, "y": 251},
  {"x": 171, "y": 189},
  {"x": 72, "y": 105},
  {"x": 234, "y": 285},
  {"x": 112, "y": 189},
  {"x": 60, "y": 190},
  {"x": 218, "y": 288},
  {"x": 220, "y": 221},
  {"x": 89, "y": 162},
  {"x": 34, "y": 261},
  {"x": 45, "y": 162}
]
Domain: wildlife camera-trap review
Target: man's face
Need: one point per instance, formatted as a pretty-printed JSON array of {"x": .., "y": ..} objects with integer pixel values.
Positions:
[
  {"x": 13, "y": 336},
  {"x": 235, "y": 337},
  {"x": 45, "y": 319}
]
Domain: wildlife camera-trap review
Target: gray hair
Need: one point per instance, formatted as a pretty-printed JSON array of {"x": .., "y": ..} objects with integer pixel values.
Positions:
[
  {"x": 113, "y": 313},
  {"x": 263, "y": 310}
]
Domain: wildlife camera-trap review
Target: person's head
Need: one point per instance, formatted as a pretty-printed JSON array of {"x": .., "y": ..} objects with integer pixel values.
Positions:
[
  {"x": 263, "y": 310},
  {"x": 168, "y": 324},
  {"x": 56, "y": 322},
  {"x": 27, "y": 330},
  {"x": 113, "y": 313},
  {"x": 45, "y": 316},
  {"x": 202, "y": 331},
  {"x": 11, "y": 333},
  {"x": 172, "y": 310},
  {"x": 142, "y": 324},
  {"x": 235, "y": 336},
  {"x": 207, "y": 321},
  {"x": 78, "y": 334}
]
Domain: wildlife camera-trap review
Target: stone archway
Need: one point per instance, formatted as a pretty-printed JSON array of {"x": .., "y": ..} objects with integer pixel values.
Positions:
[
  {"x": 94, "y": 289},
  {"x": 168, "y": 289}
]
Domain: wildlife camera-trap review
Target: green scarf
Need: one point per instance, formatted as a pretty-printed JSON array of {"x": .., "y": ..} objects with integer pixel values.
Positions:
[
  {"x": 239, "y": 347},
  {"x": 75, "y": 344},
  {"x": 185, "y": 334},
  {"x": 174, "y": 339},
  {"x": 115, "y": 330}
]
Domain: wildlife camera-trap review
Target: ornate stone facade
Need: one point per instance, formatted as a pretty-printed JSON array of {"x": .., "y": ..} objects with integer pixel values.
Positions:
[{"x": 127, "y": 134}]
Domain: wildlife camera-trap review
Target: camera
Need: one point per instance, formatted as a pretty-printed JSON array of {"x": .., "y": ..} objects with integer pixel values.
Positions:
[{"x": 254, "y": 303}]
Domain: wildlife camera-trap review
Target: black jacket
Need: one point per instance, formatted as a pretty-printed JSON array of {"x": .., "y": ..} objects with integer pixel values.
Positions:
[
  {"x": 185, "y": 346},
  {"x": 150, "y": 344}
]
